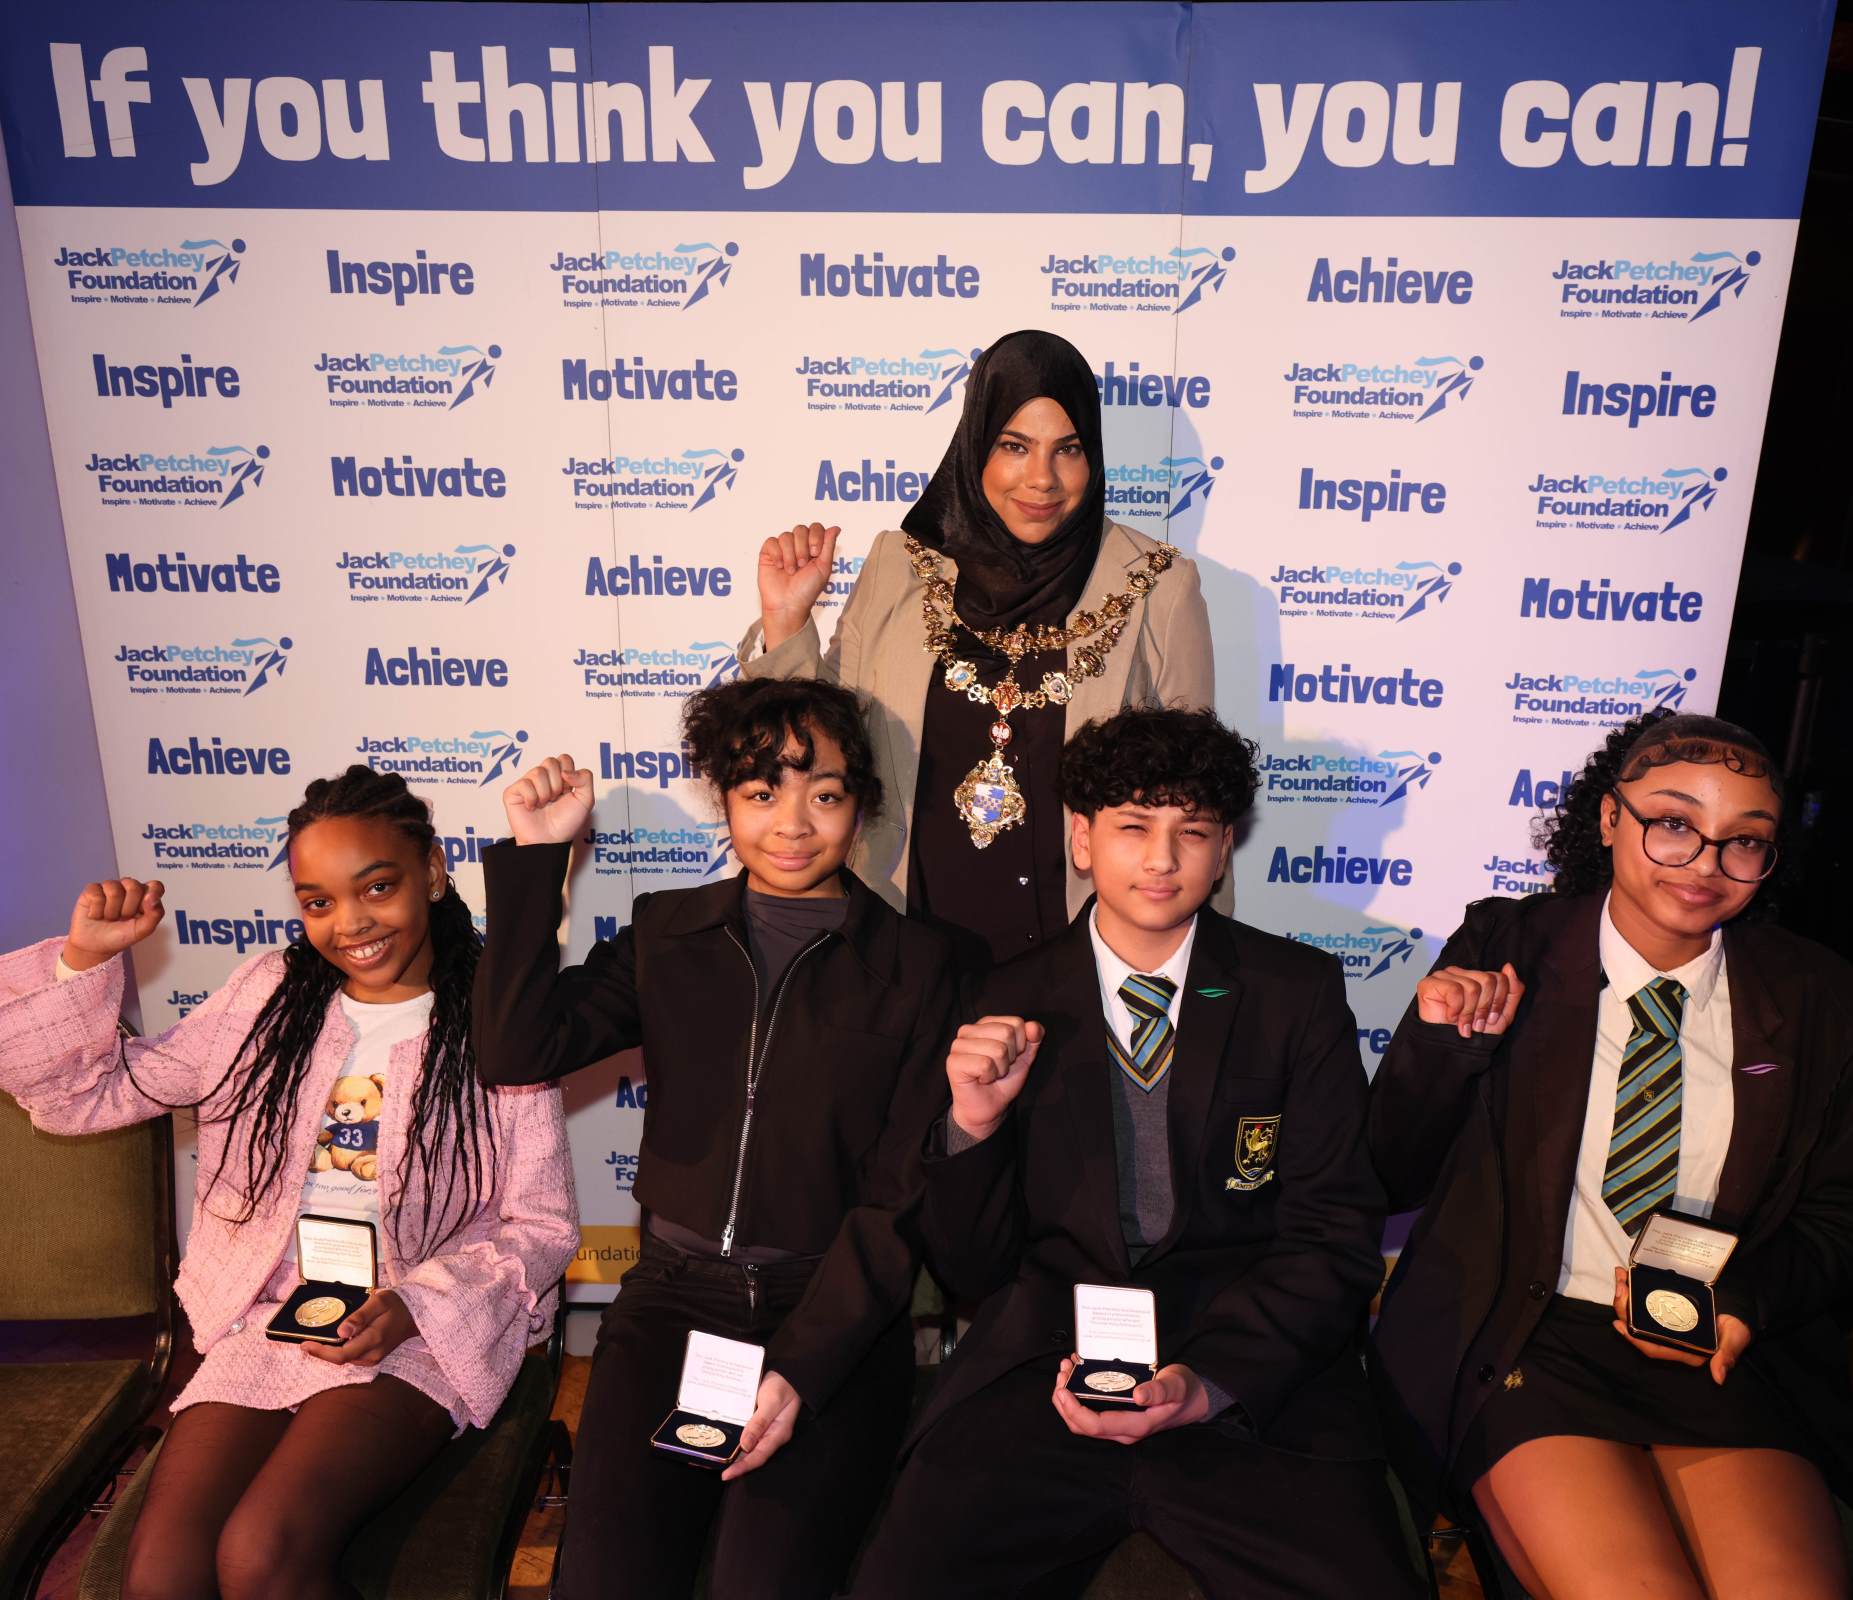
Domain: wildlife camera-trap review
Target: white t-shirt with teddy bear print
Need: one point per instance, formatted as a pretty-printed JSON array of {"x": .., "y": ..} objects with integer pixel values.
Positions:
[{"x": 344, "y": 1172}]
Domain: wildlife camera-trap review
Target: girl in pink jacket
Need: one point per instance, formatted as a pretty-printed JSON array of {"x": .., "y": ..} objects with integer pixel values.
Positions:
[{"x": 333, "y": 1078}]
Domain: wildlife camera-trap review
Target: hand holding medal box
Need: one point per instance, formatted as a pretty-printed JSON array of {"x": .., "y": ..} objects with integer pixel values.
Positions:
[
  {"x": 1672, "y": 1271},
  {"x": 338, "y": 1258},
  {"x": 714, "y": 1402},
  {"x": 1115, "y": 1345}
]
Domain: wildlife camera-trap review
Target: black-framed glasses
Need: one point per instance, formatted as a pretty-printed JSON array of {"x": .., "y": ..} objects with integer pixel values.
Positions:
[{"x": 1674, "y": 842}]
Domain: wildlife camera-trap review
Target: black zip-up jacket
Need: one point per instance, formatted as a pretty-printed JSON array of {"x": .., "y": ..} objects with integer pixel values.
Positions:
[{"x": 853, "y": 1046}]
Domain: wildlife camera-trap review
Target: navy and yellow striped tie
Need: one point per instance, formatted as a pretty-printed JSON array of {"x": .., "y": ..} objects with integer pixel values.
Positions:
[
  {"x": 1154, "y": 1040},
  {"x": 1642, "y": 1169}
]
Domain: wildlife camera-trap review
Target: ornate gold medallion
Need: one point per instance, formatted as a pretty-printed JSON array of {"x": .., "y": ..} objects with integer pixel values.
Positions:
[
  {"x": 989, "y": 799},
  {"x": 322, "y": 1310},
  {"x": 701, "y": 1436},
  {"x": 1111, "y": 1382}
]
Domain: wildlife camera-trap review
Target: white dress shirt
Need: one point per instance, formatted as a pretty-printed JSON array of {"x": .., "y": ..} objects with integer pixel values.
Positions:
[
  {"x": 1113, "y": 972},
  {"x": 1594, "y": 1244}
]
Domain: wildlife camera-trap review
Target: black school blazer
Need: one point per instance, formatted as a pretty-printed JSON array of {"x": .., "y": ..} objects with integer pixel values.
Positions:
[
  {"x": 1262, "y": 1290},
  {"x": 1484, "y": 1134},
  {"x": 854, "y": 1075}
]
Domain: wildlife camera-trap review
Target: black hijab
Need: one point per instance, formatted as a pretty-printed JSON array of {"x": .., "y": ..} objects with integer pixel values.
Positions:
[{"x": 1003, "y": 581}]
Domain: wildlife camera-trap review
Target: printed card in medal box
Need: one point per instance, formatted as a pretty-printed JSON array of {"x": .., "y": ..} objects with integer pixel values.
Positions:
[
  {"x": 719, "y": 1389},
  {"x": 1672, "y": 1271},
  {"x": 338, "y": 1258},
  {"x": 1115, "y": 1344}
]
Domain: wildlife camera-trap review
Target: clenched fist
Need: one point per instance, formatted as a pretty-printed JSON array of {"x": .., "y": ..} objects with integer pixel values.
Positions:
[
  {"x": 551, "y": 804},
  {"x": 1475, "y": 1002},
  {"x": 987, "y": 1066},
  {"x": 793, "y": 569},
  {"x": 109, "y": 917}
]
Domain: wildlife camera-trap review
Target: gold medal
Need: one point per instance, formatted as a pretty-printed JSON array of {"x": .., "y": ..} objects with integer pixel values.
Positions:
[
  {"x": 1672, "y": 1310},
  {"x": 322, "y": 1310},
  {"x": 701, "y": 1436},
  {"x": 1111, "y": 1382}
]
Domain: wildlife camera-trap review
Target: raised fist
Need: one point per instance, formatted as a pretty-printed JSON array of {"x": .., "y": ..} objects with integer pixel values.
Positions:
[
  {"x": 1475, "y": 1002},
  {"x": 550, "y": 804},
  {"x": 793, "y": 569},
  {"x": 109, "y": 917},
  {"x": 987, "y": 1067}
]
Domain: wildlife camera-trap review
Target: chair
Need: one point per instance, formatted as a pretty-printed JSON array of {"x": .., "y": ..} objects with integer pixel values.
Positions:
[
  {"x": 451, "y": 1534},
  {"x": 87, "y": 1257}
]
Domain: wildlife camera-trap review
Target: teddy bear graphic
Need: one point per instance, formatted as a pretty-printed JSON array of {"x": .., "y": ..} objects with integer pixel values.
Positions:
[{"x": 350, "y": 1142}]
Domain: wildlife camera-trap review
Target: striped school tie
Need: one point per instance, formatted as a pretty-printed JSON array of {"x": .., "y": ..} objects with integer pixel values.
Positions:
[
  {"x": 1154, "y": 1040},
  {"x": 1642, "y": 1169}
]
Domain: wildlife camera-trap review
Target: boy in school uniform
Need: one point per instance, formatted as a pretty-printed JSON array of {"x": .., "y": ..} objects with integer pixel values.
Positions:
[{"x": 1163, "y": 1099}]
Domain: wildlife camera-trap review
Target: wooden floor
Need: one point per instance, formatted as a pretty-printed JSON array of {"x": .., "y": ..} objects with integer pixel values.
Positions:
[{"x": 534, "y": 1560}]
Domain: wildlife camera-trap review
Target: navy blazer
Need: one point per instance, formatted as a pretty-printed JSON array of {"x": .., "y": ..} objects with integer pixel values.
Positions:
[
  {"x": 1484, "y": 1134},
  {"x": 1261, "y": 1287}
]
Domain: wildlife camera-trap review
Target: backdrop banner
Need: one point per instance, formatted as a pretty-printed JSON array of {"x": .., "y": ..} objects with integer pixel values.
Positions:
[{"x": 423, "y": 378}]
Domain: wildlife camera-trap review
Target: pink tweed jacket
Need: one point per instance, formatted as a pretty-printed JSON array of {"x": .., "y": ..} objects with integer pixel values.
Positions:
[{"x": 479, "y": 1302}]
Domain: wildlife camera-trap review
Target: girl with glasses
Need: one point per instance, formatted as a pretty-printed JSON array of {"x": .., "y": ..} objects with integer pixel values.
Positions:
[{"x": 1628, "y": 1043}]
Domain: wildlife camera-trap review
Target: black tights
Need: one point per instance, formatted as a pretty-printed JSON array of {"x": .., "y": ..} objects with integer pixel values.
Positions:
[{"x": 247, "y": 1504}]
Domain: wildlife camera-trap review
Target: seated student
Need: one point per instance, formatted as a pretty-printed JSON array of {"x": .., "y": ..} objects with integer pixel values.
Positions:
[
  {"x": 1576, "y": 1061},
  {"x": 792, "y": 1026},
  {"x": 1166, "y": 1099}
]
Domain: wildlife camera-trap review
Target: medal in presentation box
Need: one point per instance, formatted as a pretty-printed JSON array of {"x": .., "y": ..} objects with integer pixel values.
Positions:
[
  {"x": 1115, "y": 1344},
  {"x": 719, "y": 1389},
  {"x": 338, "y": 1258},
  {"x": 1672, "y": 1271}
]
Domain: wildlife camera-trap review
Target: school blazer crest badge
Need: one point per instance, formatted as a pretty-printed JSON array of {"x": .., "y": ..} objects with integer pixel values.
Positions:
[{"x": 1255, "y": 1138}]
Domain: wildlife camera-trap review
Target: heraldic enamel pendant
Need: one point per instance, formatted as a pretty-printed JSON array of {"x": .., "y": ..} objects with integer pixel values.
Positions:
[{"x": 989, "y": 801}]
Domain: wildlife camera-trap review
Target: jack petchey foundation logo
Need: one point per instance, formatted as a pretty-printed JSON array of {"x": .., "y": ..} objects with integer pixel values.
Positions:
[
  {"x": 259, "y": 845},
  {"x": 1623, "y": 287},
  {"x": 213, "y": 478},
  {"x": 1595, "y": 695},
  {"x": 1153, "y": 493},
  {"x": 440, "y": 379},
  {"x": 1415, "y": 389},
  {"x": 1623, "y": 502},
  {"x": 671, "y": 480},
  {"x": 119, "y": 272},
  {"x": 461, "y": 575},
  {"x": 1397, "y": 592},
  {"x": 1316, "y": 777},
  {"x": 1368, "y": 953},
  {"x": 1116, "y": 279},
  {"x": 665, "y": 673},
  {"x": 690, "y": 851},
  {"x": 661, "y": 277},
  {"x": 470, "y": 760},
  {"x": 892, "y": 381},
  {"x": 182, "y": 668}
]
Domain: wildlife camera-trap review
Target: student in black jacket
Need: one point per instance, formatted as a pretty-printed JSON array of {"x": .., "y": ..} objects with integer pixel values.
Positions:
[
  {"x": 1576, "y": 1061},
  {"x": 1207, "y": 1146},
  {"x": 793, "y": 1028}
]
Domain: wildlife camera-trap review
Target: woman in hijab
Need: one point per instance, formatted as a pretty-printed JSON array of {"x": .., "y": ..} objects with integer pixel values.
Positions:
[{"x": 1005, "y": 613}]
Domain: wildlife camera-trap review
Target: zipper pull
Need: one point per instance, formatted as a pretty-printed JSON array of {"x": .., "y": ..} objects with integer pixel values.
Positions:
[{"x": 727, "y": 1240}]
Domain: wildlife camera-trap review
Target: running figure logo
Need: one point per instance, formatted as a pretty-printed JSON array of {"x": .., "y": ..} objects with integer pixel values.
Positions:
[
  {"x": 247, "y": 468},
  {"x": 722, "y": 665},
  {"x": 223, "y": 270},
  {"x": 493, "y": 568},
  {"x": 481, "y": 370},
  {"x": 1736, "y": 280},
  {"x": 1186, "y": 486},
  {"x": 717, "y": 477},
  {"x": 1417, "y": 773},
  {"x": 1453, "y": 387},
  {"x": 722, "y": 848},
  {"x": 503, "y": 755},
  {"x": 282, "y": 841},
  {"x": 1697, "y": 494},
  {"x": 956, "y": 369},
  {"x": 1671, "y": 694},
  {"x": 712, "y": 273},
  {"x": 1394, "y": 946},
  {"x": 1436, "y": 588},
  {"x": 1205, "y": 279},
  {"x": 275, "y": 660}
]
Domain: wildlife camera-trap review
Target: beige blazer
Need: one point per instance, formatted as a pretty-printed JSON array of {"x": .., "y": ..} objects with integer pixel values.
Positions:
[{"x": 880, "y": 652}]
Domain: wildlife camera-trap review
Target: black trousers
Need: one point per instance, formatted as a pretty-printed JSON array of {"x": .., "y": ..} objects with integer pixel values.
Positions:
[
  {"x": 639, "y": 1517},
  {"x": 999, "y": 1498}
]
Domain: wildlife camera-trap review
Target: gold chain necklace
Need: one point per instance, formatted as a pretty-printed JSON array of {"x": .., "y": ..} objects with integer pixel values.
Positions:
[{"x": 989, "y": 800}]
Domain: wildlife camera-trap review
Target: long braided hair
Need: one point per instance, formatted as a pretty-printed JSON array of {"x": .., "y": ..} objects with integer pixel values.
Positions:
[
  {"x": 450, "y": 1131},
  {"x": 1571, "y": 836}
]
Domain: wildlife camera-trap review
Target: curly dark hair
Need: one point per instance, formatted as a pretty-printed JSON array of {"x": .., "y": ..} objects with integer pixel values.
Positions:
[
  {"x": 450, "y": 1137},
  {"x": 1571, "y": 836},
  {"x": 1160, "y": 757},
  {"x": 737, "y": 733}
]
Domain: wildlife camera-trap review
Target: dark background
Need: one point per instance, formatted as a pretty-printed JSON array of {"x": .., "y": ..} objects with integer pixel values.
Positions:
[{"x": 1788, "y": 672}]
